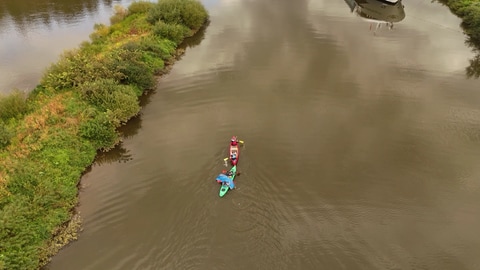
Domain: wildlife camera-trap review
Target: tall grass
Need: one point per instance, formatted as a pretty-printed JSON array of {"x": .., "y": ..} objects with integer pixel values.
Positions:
[{"x": 49, "y": 138}]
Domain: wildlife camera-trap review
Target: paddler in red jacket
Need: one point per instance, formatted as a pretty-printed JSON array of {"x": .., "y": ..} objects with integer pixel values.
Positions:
[{"x": 234, "y": 141}]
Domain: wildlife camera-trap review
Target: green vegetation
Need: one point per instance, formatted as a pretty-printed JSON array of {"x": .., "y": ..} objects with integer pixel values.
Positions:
[
  {"x": 469, "y": 12},
  {"x": 49, "y": 138}
]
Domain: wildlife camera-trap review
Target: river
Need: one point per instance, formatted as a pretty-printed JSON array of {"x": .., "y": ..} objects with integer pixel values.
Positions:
[{"x": 361, "y": 146}]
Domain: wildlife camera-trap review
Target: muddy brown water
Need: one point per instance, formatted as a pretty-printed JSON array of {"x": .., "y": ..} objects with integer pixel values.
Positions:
[{"x": 362, "y": 148}]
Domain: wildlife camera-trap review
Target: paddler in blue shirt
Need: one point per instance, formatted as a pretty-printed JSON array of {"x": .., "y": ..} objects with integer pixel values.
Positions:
[{"x": 230, "y": 183}]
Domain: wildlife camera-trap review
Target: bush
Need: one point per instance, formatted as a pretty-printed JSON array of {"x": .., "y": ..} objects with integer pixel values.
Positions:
[
  {"x": 119, "y": 15},
  {"x": 118, "y": 101},
  {"x": 67, "y": 72},
  {"x": 133, "y": 24},
  {"x": 18, "y": 241},
  {"x": 12, "y": 106},
  {"x": 100, "y": 33},
  {"x": 153, "y": 61},
  {"x": 5, "y": 135},
  {"x": 100, "y": 131},
  {"x": 189, "y": 13},
  {"x": 174, "y": 32},
  {"x": 194, "y": 14},
  {"x": 140, "y": 7},
  {"x": 130, "y": 68},
  {"x": 161, "y": 47},
  {"x": 77, "y": 67}
]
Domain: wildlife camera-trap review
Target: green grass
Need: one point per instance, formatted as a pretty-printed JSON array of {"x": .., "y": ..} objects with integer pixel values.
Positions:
[{"x": 50, "y": 136}]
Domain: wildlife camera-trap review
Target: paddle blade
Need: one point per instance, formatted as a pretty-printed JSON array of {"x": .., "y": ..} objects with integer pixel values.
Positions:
[
  {"x": 225, "y": 159},
  {"x": 242, "y": 142}
]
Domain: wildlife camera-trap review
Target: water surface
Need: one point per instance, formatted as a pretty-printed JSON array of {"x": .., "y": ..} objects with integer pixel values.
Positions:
[
  {"x": 362, "y": 149},
  {"x": 33, "y": 34}
]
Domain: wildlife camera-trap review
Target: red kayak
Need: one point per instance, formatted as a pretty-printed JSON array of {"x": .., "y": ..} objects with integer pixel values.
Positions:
[{"x": 234, "y": 151}]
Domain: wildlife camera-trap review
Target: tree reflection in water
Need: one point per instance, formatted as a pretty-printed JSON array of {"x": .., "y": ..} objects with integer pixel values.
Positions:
[
  {"x": 387, "y": 12},
  {"x": 119, "y": 153},
  {"x": 473, "y": 70},
  {"x": 26, "y": 13},
  {"x": 381, "y": 12},
  {"x": 471, "y": 27}
]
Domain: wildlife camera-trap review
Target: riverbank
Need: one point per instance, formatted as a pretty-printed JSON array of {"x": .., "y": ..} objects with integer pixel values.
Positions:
[
  {"x": 49, "y": 138},
  {"x": 469, "y": 12}
]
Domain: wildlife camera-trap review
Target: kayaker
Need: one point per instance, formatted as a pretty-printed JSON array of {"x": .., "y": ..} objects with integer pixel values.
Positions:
[
  {"x": 234, "y": 156},
  {"x": 229, "y": 173},
  {"x": 230, "y": 184},
  {"x": 234, "y": 141}
]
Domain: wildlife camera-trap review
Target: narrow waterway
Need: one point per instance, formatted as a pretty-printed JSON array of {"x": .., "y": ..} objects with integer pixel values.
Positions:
[{"x": 361, "y": 148}]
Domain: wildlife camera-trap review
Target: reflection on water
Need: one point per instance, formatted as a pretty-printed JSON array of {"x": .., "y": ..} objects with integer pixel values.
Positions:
[
  {"x": 117, "y": 154},
  {"x": 25, "y": 14},
  {"x": 120, "y": 153},
  {"x": 195, "y": 39},
  {"x": 473, "y": 70},
  {"x": 388, "y": 12},
  {"x": 34, "y": 33},
  {"x": 379, "y": 11}
]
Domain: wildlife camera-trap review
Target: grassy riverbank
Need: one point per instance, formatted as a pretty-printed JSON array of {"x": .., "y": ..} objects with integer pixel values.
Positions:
[
  {"x": 49, "y": 138},
  {"x": 469, "y": 12}
]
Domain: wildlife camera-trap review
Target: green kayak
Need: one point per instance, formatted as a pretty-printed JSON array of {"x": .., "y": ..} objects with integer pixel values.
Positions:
[{"x": 230, "y": 184}]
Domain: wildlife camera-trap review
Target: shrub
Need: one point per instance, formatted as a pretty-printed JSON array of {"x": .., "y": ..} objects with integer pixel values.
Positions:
[
  {"x": 118, "y": 101},
  {"x": 131, "y": 68},
  {"x": 194, "y": 14},
  {"x": 137, "y": 25},
  {"x": 189, "y": 13},
  {"x": 100, "y": 131},
  {"x": 77, "y": 67},
  {"x": 153, "y": 61},
  {"x": 13, "y": 105},
  {"x": 5, "y": 135},
  {"x": 161, "y": 47},
  {"x": 100, "y": 33},
  {"x": 133, "y": 24},
  {"x": 174, "y": 32},
  {"x": 140, "y": 7},
  {"x": 119, "y": 15},
  {"x": 18, "y": 241}
]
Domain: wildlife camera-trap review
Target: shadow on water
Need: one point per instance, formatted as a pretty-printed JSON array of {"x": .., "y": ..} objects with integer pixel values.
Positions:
[
  {"x": 195, "y": 39},
  {"x": 120, "y": 153}
]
